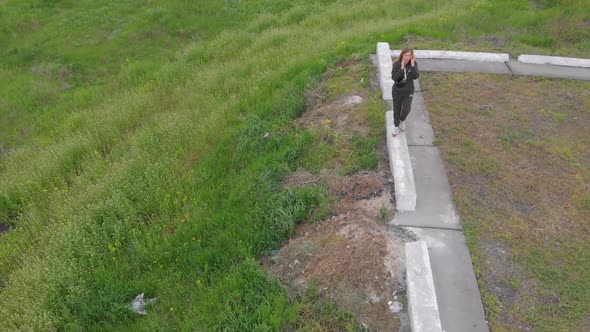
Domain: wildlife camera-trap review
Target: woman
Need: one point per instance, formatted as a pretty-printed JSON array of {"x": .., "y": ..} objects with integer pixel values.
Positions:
[{"x": 403, "y": 73}]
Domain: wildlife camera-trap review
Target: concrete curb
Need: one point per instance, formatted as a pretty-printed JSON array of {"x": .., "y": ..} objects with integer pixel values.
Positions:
[
  {"x": 554, "y": 60},
  {"x": 422, "y": 303},
  {"x": 401, "y": 167},
  {"x": 384, "y": 64},
  {"x": 457, "y": 55}
]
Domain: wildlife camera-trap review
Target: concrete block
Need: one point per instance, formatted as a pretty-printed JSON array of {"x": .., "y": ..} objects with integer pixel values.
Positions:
[
  {"x": 434, "y": 198},
  {"x": 401, "y": 167},
  {"x": 457, "y": 55},
  {"x": 461, "y": 66},
  {"x": 549, "y": 70},
  {"x": 422, "y": 304},
  {"x": 384, "y": 64},
  {"x": 554, "y": 60},
  {"x": 457, "y": 292}
]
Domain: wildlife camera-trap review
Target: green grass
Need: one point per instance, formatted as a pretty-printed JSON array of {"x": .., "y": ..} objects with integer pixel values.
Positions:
[{"x": 133, "y": 150}]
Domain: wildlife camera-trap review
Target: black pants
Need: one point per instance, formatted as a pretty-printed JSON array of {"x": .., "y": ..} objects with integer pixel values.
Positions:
[{"x": 402, "y": 105}]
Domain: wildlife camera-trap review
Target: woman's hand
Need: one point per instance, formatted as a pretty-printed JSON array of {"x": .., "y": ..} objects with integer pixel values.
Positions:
[
  {"x": 413, "y": 60},
  {"x": 405, "y": 61}
]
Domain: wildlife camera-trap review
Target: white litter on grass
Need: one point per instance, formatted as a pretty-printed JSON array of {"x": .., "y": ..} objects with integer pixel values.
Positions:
[
  {"x": 294, "y": 263},
  {"x": 138, "y": 304},
  {"x": 395, "y": 306},
  {"x": 353, "y": 100}
]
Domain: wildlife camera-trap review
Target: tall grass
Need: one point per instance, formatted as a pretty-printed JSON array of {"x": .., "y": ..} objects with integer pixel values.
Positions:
[{"x": 135, "y": 157}]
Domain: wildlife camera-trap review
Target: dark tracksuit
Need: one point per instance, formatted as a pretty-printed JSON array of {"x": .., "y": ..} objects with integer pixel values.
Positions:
[{"x": 402, "y": 96}]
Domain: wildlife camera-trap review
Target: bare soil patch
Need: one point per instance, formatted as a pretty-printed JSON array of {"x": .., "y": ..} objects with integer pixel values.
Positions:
[{"x": 353, "y": 257}]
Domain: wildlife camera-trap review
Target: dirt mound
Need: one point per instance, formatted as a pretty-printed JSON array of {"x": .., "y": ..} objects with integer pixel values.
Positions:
[
  {"x": 350, "y": 258},
  {"x": 353, "y": 257}
]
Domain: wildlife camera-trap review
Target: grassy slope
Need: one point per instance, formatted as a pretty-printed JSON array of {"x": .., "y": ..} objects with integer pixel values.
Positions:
[{"x": 138, "y": 162}]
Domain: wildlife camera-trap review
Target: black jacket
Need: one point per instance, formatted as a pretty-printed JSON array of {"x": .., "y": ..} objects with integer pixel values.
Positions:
[{"x": 397, "y": 74}]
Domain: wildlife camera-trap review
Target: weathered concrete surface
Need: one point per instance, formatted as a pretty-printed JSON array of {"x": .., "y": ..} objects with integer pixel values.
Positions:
[
  {"x": 419, "y": 129},
  {"x": 457, "y": 293},
  {"x": 422, "y": 303},
  {"x": 457, "y": 55},
  {"x": 384, "y": 65},
  {"x": 434, "y": 203},
  {"x": 547, "y": 70},
  {"x": 435, "y": 219},
  {"x": 511, "y": 67},
  {"x": 554, "y": 60},
  {"x": 460, "y": 66},
  {"x": 401, "y": 168}
]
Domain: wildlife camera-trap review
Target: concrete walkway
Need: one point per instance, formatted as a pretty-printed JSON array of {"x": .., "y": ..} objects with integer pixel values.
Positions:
[
  {"x": 435, "y": 220},
  {"x": 511, "y": 67}
]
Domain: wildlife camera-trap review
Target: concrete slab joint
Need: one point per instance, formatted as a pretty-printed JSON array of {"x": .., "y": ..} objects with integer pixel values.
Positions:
[
  {"x": 401, "y": 168},
  {"x": 422, "y": 303}
]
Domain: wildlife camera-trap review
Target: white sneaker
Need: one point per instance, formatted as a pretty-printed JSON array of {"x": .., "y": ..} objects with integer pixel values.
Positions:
[
  {"x": 395, "y": 131},
  {"x": 402, "y": 126}
]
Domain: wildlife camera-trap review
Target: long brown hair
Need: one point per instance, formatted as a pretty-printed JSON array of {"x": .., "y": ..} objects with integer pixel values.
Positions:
[{"x": 404, "y": 51}]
